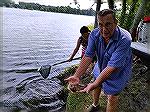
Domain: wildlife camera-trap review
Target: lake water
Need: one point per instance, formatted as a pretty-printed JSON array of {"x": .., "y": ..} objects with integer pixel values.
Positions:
[{"x": 31, "y": 39}]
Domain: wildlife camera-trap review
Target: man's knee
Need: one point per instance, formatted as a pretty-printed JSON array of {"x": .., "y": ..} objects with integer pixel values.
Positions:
[{"x": 113, "y": 98}]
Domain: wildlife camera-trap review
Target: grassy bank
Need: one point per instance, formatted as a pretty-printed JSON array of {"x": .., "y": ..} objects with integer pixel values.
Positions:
[{"x": 134, "y": 98}]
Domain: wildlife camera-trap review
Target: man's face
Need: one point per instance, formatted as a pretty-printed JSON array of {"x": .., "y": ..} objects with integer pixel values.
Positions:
[{"x": 107, "y": 25}]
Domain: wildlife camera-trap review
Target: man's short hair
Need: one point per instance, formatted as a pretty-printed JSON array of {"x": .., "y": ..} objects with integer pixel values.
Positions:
[
  {"x": 84, "y": 29},
  {"x": 106, "y": 12}
]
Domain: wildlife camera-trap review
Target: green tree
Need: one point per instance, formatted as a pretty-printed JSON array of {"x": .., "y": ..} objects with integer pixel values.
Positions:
[
  {"x": 139, "y": 15},
  {"x": 130, "y": 17},
  {"x": 123, "y": 12},
  {"x": 5, "y": 2}
]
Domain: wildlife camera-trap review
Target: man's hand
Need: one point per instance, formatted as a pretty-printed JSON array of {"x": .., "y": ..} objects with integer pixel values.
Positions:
[
  {"x": 90, "y": 87},
  {"x": 73, "y": 80}
]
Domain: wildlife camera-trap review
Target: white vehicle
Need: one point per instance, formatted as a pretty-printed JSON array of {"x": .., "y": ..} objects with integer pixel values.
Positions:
[{"x": 141, "y": 48}]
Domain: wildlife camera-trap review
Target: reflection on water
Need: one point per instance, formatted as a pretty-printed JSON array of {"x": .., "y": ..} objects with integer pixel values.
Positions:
[{"x": 32, "y": 39}]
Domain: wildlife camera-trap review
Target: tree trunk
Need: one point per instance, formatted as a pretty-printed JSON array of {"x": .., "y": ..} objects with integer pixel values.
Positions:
[
  {"x": 111, "y": 4},
  {"x": 131, "y": 14},
  {"x": 97, "y": 9},
  {"x": 139, "y": 15}
]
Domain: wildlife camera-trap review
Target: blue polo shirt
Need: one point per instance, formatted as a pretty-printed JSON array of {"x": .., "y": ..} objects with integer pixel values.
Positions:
[{"x": 117, "y": 53}]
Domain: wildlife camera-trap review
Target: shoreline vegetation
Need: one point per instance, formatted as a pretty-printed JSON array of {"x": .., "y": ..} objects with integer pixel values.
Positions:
[
  {"x": 57, "y": 9},
  {"x": 134, "y": 98}
]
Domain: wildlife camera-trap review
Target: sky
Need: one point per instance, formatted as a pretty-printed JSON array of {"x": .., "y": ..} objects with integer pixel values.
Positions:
[{"x": 84, "y": 4}]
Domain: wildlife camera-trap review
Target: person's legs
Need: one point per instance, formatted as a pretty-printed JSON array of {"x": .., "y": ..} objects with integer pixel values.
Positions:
[
  {"x": 95, "y": 95},
  {"x": 96, "y": 92},
  {"x": 112, "y": 103}
]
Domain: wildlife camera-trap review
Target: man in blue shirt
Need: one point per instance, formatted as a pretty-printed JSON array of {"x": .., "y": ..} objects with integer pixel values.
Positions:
[{"x": 113, "y": 68}]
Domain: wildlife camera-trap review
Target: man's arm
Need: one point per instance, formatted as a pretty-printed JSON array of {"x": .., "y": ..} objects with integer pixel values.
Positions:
[
  {"x": 84, "y": 64},
  {"x": 75, "y": 50},
  {"x": 104, "y": 75}
]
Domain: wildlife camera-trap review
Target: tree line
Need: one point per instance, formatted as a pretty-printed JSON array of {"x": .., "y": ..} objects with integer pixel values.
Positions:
[
  {"x": 129, "y": 15},
  {"x": 58, "y": 9}
]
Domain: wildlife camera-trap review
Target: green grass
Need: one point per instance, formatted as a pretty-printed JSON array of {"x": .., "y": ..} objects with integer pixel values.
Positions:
[
  {"x": 129, "y": 99},
  {"x": 77, "y": 102}
]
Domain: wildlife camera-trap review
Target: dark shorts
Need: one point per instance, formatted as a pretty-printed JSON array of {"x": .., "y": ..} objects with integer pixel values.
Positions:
[{"x": 109, "y": 87}]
